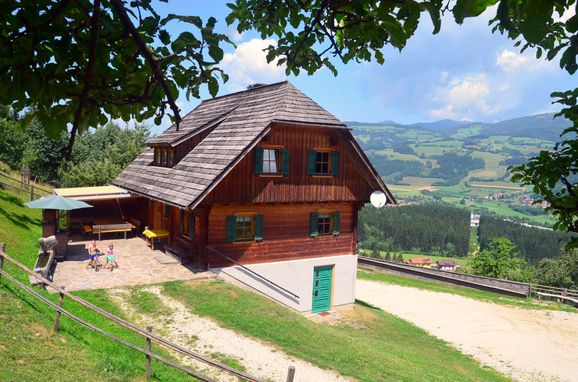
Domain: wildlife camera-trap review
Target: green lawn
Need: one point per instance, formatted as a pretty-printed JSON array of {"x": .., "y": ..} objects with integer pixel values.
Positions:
[
  {"x": 462, "y": 291},
  {"x": 27, "y": 350},
  {"x": 368, "y": 344}
]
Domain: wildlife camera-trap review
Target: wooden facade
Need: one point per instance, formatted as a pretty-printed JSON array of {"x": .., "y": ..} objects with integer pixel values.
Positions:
[{"x": 242, "y": 185}]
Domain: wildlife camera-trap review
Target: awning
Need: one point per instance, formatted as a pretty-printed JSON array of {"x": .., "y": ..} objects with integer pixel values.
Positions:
[{"x": 93, "y": 193}]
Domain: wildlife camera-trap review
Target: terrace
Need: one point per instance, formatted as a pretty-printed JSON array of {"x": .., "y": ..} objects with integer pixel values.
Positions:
[{"x": 138, "y": 265}]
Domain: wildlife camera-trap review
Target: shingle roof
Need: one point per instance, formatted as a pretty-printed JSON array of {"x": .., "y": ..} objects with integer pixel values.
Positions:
[{"x": 242, "y": 119}]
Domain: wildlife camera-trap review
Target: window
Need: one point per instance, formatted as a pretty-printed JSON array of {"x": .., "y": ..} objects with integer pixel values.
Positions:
[
  {"x": 164, "y": 157},
  {"x": 323, "y": 163},
  {"x": 271, "y": 161},
  {"x": 166, "y": 211},
  {"x": 188, "y": 223},
  {"x": 325, "y": 223},
  {"x": 270, "y": 165},
  {"x": 244, "y": 227}
]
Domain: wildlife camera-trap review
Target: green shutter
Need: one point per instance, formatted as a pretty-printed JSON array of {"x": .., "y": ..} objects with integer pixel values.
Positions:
[
  {"x": 311, "y": 162},
  {"x": 192, "y": 225},
  {"x": 335, "y": 163},
  {"x": 284, "y": 161},
  {"x": 182, "y": 213},
  {"x": 258, "y": 227},
  {"x": 314, "y": 224},
  {"x": 231, "y": 228},
  {"x": 258, "y": 160},
  {"x": 336, "y": 222}
]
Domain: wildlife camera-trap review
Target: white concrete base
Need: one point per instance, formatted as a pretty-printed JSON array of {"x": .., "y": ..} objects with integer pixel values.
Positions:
[{"x": 296, "y": 276}]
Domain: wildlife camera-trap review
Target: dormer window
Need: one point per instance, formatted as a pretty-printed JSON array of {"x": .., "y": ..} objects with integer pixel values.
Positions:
[{"x": 164, "y": 156}]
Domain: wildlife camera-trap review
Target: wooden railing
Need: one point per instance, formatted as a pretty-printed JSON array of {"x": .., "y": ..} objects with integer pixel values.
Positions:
[
  {"x": 18, "y": 185},
  {"x": 148, "y": 334},
  {"x": 555, "y": 293}
]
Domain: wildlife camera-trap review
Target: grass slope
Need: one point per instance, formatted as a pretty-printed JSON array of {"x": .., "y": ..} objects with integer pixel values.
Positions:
[{"x": 370, "y": 345}]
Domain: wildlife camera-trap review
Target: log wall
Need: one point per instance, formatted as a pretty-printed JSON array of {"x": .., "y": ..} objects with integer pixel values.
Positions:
[{"x": 285, "y": 235}]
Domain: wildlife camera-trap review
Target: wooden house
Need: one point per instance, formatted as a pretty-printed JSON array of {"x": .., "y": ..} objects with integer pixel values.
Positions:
[{"x": 265, "y": 185}]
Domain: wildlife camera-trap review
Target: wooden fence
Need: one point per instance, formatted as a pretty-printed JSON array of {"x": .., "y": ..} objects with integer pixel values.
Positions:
[
  {"x": 148, "y": 334},
  {"x": 22, "y": 186}
]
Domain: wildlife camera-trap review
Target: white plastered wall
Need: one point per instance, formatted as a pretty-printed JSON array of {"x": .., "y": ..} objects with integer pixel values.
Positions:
[{"x": 297, "y": 276}]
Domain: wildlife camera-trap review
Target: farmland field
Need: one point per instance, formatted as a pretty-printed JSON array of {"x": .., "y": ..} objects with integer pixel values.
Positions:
[{"x": 476, "y": 176}]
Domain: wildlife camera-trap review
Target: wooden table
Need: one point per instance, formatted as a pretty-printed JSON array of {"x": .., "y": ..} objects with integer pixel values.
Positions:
[
  {"x": 106, "y": 228},
  {"x": 152, "y": 234}
]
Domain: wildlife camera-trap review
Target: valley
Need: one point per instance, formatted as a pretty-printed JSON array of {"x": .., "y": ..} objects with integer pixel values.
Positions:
[{"x": 461, "y": 163}]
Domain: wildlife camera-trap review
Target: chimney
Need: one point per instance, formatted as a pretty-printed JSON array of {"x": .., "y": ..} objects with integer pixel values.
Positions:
[{"x": 255, "y": 86}]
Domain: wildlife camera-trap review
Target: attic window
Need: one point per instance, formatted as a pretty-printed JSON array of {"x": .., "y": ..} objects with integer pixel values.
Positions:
[{"x": 164, "y": 157}]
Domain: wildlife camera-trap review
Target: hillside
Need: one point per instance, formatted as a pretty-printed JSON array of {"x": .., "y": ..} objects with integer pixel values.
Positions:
[{"x": 461, "y": 162}]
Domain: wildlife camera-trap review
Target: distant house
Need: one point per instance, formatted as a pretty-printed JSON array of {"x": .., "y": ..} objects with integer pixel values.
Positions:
[
  {"x": 474, "y": 220},
  {"x": 420, "y": 262},
  {"x": 264, "y": 185},
  {"x": 447, "y": 265}
]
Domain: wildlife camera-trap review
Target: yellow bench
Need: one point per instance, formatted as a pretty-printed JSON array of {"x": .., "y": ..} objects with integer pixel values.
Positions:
[
  {"x": 108, "y": 228},
  {"x": 152, "y": 234}
]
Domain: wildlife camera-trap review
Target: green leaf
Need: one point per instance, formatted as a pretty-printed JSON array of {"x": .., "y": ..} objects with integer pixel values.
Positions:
[
  {"x": 213, "y": 86},
  {"x": 470, "y": 8},
  {"x": 216, "y": 53},
  {"x": 536, "y": 21}
]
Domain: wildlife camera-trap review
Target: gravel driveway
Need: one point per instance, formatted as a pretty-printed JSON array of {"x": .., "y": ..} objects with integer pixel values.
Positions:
[{"x": 528, "y": 345}]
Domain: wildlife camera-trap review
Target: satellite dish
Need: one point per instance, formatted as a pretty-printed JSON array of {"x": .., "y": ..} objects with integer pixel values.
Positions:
[{"x": 378, "y": 199}]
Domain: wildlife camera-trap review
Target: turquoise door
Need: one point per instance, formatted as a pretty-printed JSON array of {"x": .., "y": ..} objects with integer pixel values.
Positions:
[{"x": 322, "y": 279}]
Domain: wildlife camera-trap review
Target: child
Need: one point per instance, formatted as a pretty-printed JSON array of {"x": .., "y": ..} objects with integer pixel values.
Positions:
[
  {"x": 93, "y": 253},
  {"x": 110, "y": 258}
]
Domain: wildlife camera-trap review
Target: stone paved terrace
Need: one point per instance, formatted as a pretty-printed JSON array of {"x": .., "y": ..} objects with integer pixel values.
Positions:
[{"x": 138, "y": 265}]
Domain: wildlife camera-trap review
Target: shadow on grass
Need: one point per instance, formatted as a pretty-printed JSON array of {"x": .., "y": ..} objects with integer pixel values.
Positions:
[
  {"x": 20, "y": 294},
  {"x": 11, "y": 198},
  {"x": 366, "y": 305},
  {"x": 19, "y": 220}
]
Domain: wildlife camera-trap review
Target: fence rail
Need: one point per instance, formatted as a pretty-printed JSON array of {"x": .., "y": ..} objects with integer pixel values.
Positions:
[
  {"x": 148, "y": 335},
  {"x": 18, "y": 185}
]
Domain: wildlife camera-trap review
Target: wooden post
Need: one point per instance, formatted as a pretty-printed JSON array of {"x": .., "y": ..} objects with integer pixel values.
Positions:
[
  {"x": 31, "y": 192},
  {"x": 291, "y": 373},
  {"x": 57, "y": 320},
  {"x": 148, "y": 357},
  {"x": 3, "y": 250}
]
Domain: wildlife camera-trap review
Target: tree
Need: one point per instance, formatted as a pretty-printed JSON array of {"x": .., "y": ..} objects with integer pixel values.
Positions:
[
  {"x": 500, "y": 260},
  {"x": 86, "y": 62},
  {"x": 43, "y": 154},
  {"x": 12, "y": 139},
  {"x": 561, "y": 272}
]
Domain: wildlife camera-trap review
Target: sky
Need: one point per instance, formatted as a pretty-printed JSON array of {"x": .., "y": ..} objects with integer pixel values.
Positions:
[{"x": 464, "y": 73}]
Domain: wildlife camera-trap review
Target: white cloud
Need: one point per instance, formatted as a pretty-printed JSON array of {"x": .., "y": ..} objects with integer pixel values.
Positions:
[
  {"x": 510, "y": 62},
  {"x": 462, "y": 98},
  {"x": 234, "y": 35},
  {"x": 248, "y": 65}
]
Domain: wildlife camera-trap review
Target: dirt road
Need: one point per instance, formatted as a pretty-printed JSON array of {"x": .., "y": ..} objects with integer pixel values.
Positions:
[{"x": 528, "y": 345}]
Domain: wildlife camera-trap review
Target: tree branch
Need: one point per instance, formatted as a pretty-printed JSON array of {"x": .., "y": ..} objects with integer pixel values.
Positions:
[
  {"x": 92, "y": 44},
  {"x": 146, "y": 52}
]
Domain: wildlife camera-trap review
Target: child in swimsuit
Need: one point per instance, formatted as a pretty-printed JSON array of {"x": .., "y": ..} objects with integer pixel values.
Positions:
[
  {"x": 110, "y": 258},
  {"x": 93, "y": 253}
]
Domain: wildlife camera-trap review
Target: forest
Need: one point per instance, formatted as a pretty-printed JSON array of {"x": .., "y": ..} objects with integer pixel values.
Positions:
[
  {"x": 429, "y": 228},
  {"x": 97, "y": 158},
  {"x": 533, "y": 244}
]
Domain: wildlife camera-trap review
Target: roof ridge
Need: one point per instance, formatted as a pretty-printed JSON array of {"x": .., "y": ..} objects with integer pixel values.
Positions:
[{"x": 245, "y": 91}]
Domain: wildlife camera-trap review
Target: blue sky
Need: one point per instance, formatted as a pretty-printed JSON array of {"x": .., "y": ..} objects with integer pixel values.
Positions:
[{"x": 464, "y": 72}]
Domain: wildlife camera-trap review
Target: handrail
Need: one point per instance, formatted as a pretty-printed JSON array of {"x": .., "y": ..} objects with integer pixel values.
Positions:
[
  {"x": 252, "y": 272},
  {"x": 132, "y": 327},
  {"x": 190, "y": 372}
]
